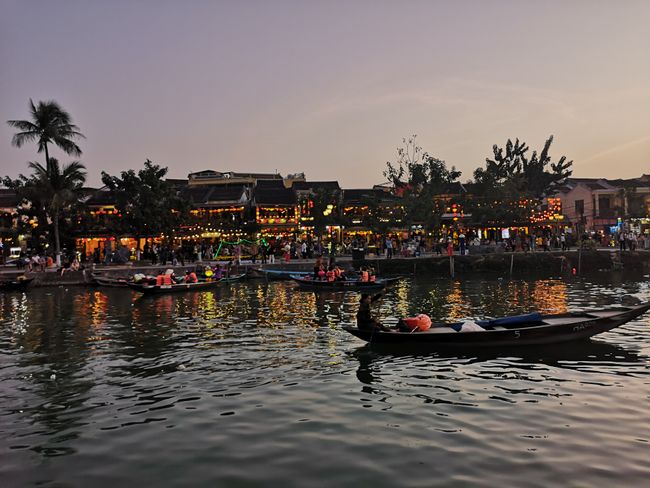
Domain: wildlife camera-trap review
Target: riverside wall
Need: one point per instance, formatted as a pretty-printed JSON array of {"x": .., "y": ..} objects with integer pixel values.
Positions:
[{"x": 550, "y": 263}]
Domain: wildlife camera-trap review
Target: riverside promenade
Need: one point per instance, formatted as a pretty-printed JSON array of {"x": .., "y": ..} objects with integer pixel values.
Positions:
[{"x": 551, "y": 262}]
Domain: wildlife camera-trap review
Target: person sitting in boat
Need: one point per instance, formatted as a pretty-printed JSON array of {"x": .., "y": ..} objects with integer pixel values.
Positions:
[
  {"x": 331, "y": 276},
  {"x": 339, "y": 275},
  {"x": 321, "y": 273},
  {"x": 190, "y": 277},
  {"x": 365, "y": 276},
  {"x": 217, "y": 272},
  {"x": 208, "y": 273},
  {"x": 168, "y": 277},
  {"x": 372, "y": 278},
  {"x": 364, "y": 317},
  {"x": 160, "y": 279},
  {"x": 317, "y": 267}
]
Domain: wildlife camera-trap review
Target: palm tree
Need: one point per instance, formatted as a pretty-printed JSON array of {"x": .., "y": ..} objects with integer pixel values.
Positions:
[
  {"x": 50, "y": 124},
  {"x": 57, "y": 188}
]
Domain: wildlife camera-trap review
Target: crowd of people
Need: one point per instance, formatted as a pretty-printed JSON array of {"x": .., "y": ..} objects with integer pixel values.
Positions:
[{"x": 41, "y": 262}]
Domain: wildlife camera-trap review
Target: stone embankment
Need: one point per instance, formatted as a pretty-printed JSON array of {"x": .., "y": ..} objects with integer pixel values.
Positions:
[
  {"x": 552, "y": 263},
  {"x": 548, "y": 262}
]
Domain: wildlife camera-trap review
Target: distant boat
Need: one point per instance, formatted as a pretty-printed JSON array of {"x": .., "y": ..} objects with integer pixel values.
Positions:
[
  {"x": 111, "y": 282},
  {"x": 278, "y": 274},
  {"x": 151, "y": 289},
  {"x": 233, "y": 278},
  {"x": 521, "y": 330},
  {"x": 343, "y": 285},
  {"x": 19, "y": 284}
]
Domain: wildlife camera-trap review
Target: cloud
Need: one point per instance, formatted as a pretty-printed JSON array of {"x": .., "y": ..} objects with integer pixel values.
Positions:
[{"x": 616, "y": 149}]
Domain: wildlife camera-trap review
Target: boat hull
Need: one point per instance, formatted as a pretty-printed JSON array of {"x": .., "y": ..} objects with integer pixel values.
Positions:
[
  {"x": 110, "y": 282},
  {"x": 344, "y": 285},
  {"x": 16, "y": 285},
  {"x": 553, "y": 329},
  {"x": 277, "y": 274},
  {"x": 175, "y": 288}
]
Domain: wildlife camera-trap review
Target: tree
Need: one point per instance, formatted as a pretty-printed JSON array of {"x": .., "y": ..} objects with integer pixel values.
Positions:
[
  {"x": 49, "y": 191},
  {"x": 418, "y": 177},
  {"x": 49, "y": 124},
  {"x": 325, "y": 209},
  {"x": 517, "y": 183},
  {"x": 514, "y": 175},
  {"x": 149, "y": 205}
]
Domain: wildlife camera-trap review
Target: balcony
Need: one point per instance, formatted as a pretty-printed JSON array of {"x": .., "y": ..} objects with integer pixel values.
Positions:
[{"x": 607, "y": 213}]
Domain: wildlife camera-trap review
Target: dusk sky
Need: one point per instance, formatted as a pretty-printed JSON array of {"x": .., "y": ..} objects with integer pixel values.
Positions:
[{"x": 330, "y": 87}]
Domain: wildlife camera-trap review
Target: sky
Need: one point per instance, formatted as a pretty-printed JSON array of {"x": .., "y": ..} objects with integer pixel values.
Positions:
[{"x": 331, "y": 87}]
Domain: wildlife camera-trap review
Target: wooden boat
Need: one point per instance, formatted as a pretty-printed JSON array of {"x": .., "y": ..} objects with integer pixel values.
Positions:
[
  {"x": 343, "y": 285},
  {"x": 233, "y": 278},
  {"x": 151, "y": 289},
  {"x": 530, "y": 329},
  {"x": 278, "y": 274},
  {"x": 18, "y": 284},
  {"x": 111, "y": 282}
]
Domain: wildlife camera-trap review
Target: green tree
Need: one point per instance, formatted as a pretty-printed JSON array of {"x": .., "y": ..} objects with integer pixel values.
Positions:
[
  {"x": 325, "y": 209},
  {"x": 512, "y": 174},
  {"x": 49, "y": 124},
  {"x": 149, "y": 204},
  {"x": 515, "y": 182},
  {"x": 48, "y": 192},
  {"x": 418, "y": 178}
]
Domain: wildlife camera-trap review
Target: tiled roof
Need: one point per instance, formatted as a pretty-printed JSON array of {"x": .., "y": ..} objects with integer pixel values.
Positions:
[
  {"x": 98, "y": 198},
  {"x": 269, "y": 194},
  {"x": 270, "y": 184},
  {"x": 596, "y": 186},
  {"x": 316, "y": 185},
  {"x": 8, "y": 198},
  {"x": 356, "y": 196},
  {"x": 208, "y": 173},
  {"x": 213, "y": 194}
]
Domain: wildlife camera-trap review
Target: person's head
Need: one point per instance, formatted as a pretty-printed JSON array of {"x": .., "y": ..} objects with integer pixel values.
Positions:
[{"x": 364, "y": 298}]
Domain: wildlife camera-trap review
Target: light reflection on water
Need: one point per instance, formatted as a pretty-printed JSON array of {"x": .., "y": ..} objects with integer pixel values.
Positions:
[{"x": 96, "y": 380}]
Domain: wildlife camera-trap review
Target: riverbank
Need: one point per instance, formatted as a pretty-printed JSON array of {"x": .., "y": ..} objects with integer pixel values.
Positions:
[{"x": 567, "y": 262}]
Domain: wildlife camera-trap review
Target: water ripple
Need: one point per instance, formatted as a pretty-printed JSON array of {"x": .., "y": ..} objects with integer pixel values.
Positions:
[{"x": 103, "y": 387}]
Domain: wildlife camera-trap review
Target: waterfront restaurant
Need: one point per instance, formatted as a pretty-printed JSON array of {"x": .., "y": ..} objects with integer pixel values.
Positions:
[
  {"x": 276, "y": 209},
  {"x": 95, "y": 226},
  {"x": 217, "y": 211},
  {"x": 313, "y": 197},
  {"x": 8, "y": 222},
  {"x": 364, "y": 210}
]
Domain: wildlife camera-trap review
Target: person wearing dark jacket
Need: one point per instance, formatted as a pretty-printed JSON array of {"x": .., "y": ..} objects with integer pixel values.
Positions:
[{"x": 364, "y": 317}]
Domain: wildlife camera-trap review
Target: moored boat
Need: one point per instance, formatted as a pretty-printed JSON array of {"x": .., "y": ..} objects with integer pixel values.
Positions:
[
  {"x": 111, "y": 282},
  {"x": 277, "y": 274},
  {"x": 530, "y": 329},
  {"x": 233, "y": 278},
  {"x": 343, "y": 285},
  {"x": 19, "y": 284},
  {"x": 148, "y": 288}
]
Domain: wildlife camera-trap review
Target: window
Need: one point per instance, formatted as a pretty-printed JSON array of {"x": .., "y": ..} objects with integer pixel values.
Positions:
[
  {"x": 580, "y": 207},
  {"x": 603, "y": 203}
]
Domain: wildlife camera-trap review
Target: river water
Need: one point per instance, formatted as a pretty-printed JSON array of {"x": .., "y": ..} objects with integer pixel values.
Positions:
[{"x": 256, "y": 384}]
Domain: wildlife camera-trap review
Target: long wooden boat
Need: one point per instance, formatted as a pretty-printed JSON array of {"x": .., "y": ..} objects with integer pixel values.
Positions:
[
  {"x": 18, "y": 284},
  {"x": 530, "y": 329},
  {"x": 343, "y": 285},
  {"x": 233, "y": 278},
  {"x": 277, "y": 274},
  {"x": 151, "y": 289},
  {"x": 111, "y": 282}
]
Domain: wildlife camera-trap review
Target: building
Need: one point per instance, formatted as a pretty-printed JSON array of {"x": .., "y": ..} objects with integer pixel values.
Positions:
[{"x": 603, "y": 205}]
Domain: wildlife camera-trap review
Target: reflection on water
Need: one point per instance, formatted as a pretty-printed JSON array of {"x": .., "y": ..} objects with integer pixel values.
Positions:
[{"x": 94, "y": 380}]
